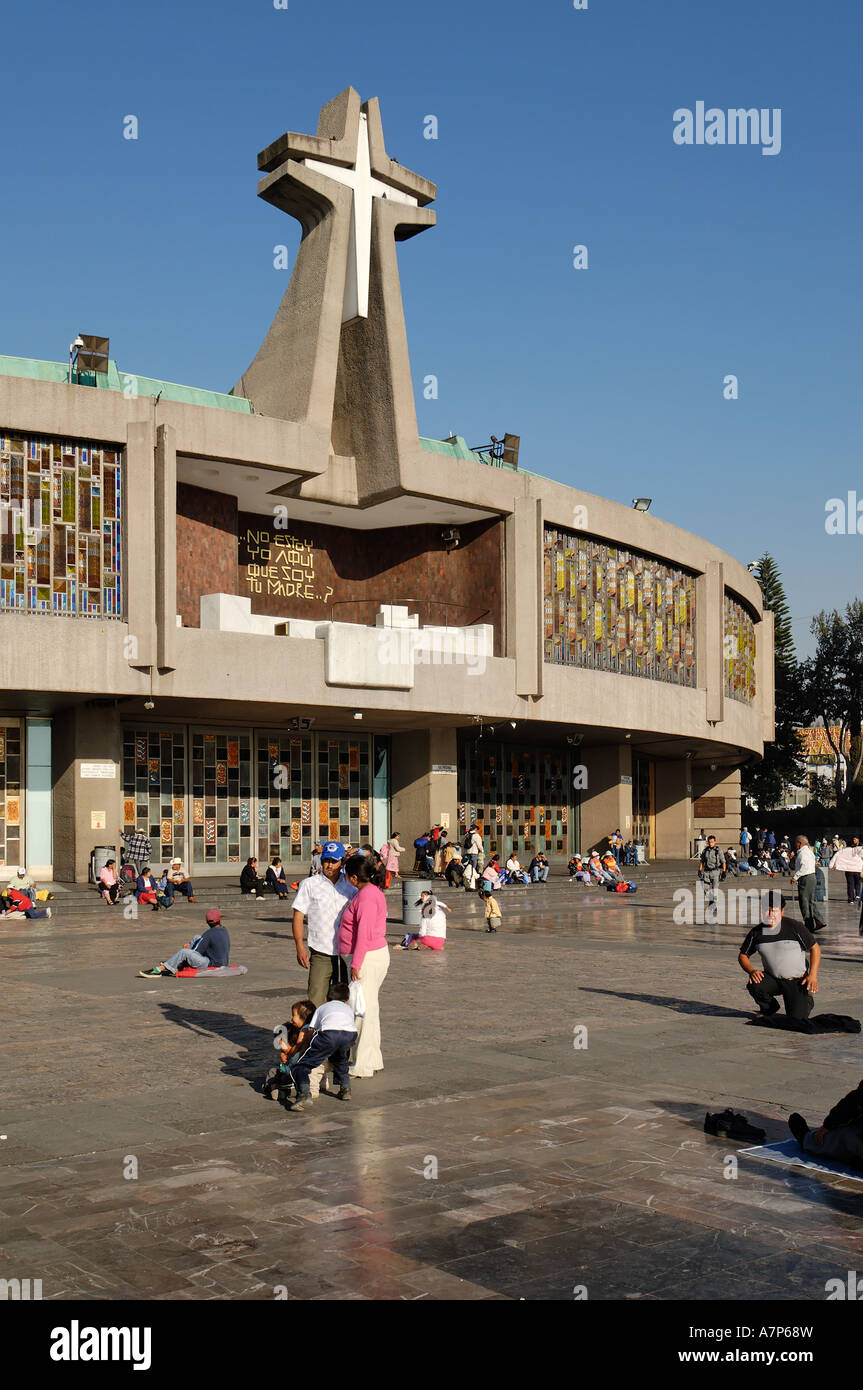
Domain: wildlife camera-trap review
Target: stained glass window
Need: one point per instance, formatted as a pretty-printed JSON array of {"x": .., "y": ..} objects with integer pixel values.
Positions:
[
  {"x": 738, "y": 651},
  {"x": 617, "y": 610},
  {"x": 61, "y": 509}
]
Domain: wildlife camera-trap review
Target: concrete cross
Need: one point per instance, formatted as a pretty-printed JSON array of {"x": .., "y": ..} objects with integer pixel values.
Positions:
[{"x": 365, "y": 187}]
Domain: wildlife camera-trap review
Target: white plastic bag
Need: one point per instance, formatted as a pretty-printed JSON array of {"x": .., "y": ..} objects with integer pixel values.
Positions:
[{"x": 357, "y": 999}]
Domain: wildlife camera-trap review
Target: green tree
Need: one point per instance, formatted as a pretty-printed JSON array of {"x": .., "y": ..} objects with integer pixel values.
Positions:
[
  {"x": 831, "y": 687},
  {"x": 764, "y": 782}
]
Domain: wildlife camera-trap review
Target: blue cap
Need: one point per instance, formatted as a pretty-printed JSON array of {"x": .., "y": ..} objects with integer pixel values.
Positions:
[{"x": 333, "y": 849}]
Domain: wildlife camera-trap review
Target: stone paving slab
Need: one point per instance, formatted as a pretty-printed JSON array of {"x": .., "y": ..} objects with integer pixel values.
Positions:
[{"x": 490, "y": 1160}]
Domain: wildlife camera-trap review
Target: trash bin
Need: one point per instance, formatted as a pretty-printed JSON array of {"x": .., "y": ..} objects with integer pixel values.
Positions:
[
  {"x": 640, "y": 852},
  {"x": 411, "y": 889},
  {"x": 99, "y": 858}
]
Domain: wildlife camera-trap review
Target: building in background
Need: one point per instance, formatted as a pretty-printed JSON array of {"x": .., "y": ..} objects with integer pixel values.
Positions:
[{"x": 245, "y": 622}]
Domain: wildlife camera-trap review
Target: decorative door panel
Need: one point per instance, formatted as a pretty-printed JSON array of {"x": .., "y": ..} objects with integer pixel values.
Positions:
[
  {"x": 344, "y": 790},
  {"x": 520, "y": 797},
  {"x": 285, "y": 792},
  {"x": 154, "y": 789},
  {"x": 221, "y": 794}
]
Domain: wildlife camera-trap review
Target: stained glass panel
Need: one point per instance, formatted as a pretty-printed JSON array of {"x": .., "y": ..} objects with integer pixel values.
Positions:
[
  {"x": 78, "y": 488},
  {"x": 617, "y": 610},
  {"x": 738, "y": 651}
]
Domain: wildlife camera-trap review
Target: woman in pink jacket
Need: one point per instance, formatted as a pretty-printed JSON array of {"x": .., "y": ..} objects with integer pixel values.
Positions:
[
  {"x": 390, "y": 853},
  {"x": 363, "y": 937}
]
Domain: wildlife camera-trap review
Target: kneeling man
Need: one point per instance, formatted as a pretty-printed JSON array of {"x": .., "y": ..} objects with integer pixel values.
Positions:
[{"x": 782, "y": 947}]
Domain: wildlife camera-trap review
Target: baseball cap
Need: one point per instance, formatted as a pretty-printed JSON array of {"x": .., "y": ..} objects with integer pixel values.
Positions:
[
  {"x": 214, "y": 917},
  {"x": 333, "y": 849}
]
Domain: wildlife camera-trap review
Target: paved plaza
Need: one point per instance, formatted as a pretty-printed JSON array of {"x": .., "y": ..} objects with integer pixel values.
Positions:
[{"x": 492, "y": 1159}]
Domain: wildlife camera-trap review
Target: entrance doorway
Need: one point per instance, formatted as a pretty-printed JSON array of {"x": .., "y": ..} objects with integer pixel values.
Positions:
[
  {"x": 219, "y": 796},
  {"x": 644, "y": 803}
]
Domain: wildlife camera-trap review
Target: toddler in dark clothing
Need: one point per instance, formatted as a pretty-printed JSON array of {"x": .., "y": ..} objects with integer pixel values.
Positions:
[{"x": 289, "y": 1039}]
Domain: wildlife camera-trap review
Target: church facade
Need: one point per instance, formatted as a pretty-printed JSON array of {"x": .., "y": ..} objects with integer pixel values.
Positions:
[{"x": 246, "y": 622}]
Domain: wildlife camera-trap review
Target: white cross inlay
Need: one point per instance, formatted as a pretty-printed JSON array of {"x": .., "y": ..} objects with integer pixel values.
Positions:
[{"x": 365, "y": 187}]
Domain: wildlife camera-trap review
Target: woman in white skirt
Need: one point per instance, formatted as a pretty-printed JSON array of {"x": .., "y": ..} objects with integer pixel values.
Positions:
[{"x": 363, "y": 937}]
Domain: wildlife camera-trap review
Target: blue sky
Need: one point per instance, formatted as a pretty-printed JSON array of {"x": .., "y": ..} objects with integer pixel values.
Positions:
[{"x": 555, "y": 129}]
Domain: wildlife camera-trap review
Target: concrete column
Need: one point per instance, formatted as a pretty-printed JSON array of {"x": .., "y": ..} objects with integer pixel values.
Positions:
[
  {"x": 606, "y": 801},
  {"x": 673, "y": 796},
  {"x": 422, "y": 797},
  {"x": 166, "y": 547},
  {"x": 523, "y": 549},
  {"x": 709, "y": 593},
  {"x": 85, "y": 734},
  {"x": 765, "y": 674},
  {"x": 139, "y": 539}
]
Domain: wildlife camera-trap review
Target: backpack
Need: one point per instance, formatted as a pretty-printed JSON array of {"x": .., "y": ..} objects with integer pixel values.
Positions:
[
  {"x": 467, "y": 842},
  {"x": 421, "y": 842}
]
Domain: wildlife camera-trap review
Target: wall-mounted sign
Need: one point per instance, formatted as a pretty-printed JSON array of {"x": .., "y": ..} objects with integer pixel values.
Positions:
[
  {"x": 627, "y": 781},
  {"x": 91, "y": 770},
  {"x": 449, "y": 768},
  {"x": 98, "y": 820}
]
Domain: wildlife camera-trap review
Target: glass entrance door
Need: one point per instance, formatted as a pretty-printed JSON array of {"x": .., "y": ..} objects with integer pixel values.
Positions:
[
  {"x": 221, "y": 793},
  {"x": 643, "y": 802},
  {"x": 522, "y": 798},
  {"x": 154, "y": 790},
  {"x": 285, "y": 798},
  {"x": 11, "y": 796}
]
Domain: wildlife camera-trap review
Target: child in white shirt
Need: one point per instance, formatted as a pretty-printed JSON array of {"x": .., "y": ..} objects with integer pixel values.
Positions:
[{"x": 432, "y": 932}]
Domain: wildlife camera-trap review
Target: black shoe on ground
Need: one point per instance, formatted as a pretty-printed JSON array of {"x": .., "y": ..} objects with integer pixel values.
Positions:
[
  {"x": 345, "y": 1093},
  {"x": 733, "y": 1126},
  {"x": 798, "y": 1126},
  {"x": 302, "y": 1100}
]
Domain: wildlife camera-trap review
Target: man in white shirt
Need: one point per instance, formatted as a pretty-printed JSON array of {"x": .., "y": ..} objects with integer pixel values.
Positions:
[
  {"x": 322, "y": 899},
  {"x": 804, "y": 877}
]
